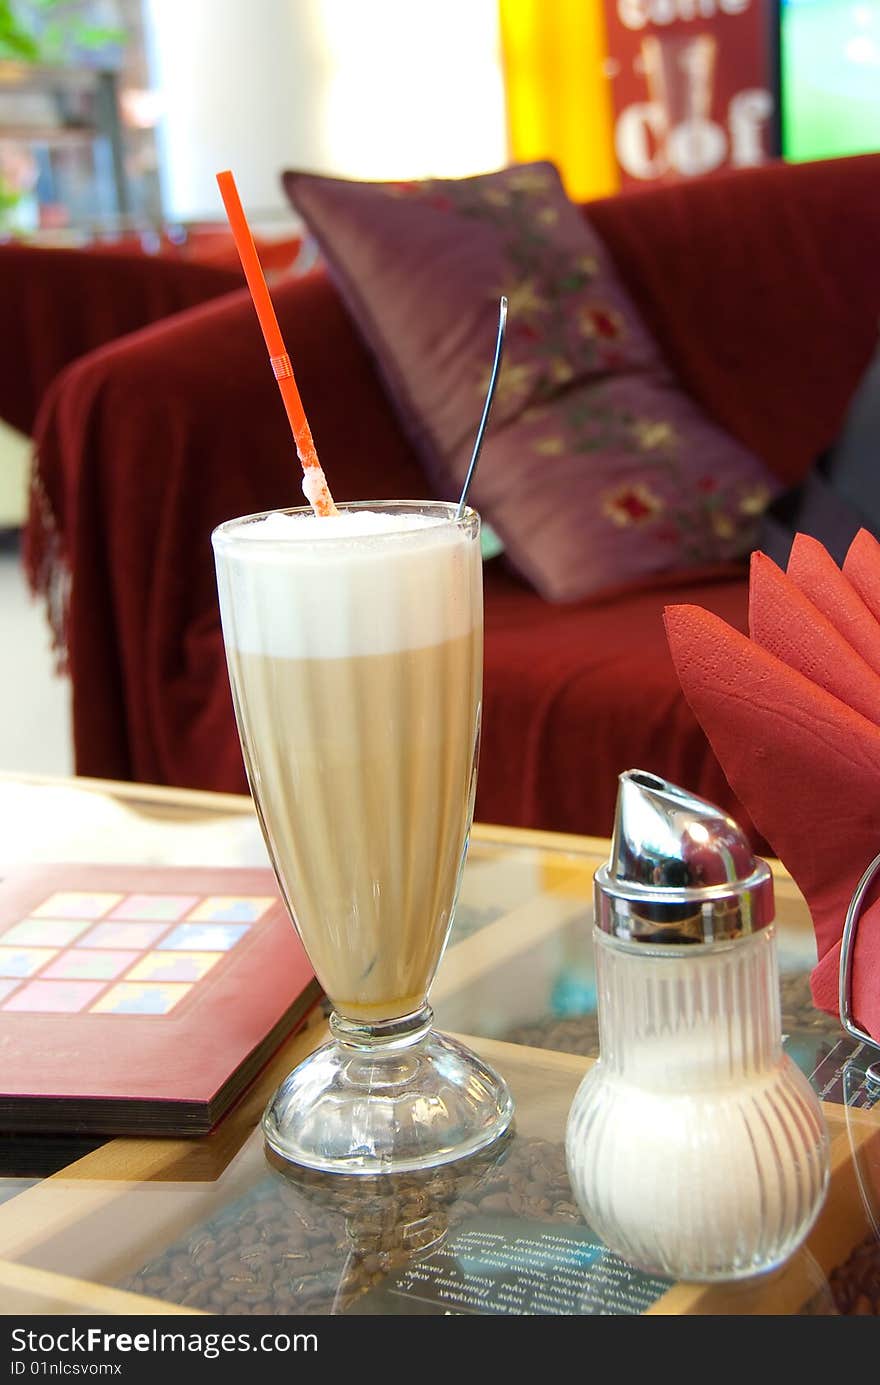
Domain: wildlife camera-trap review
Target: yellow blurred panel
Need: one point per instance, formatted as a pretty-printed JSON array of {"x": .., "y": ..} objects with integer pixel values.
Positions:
[{"x": 558, "y": 97}]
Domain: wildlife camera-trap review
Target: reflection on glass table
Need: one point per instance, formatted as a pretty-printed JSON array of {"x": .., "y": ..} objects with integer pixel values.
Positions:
[{"x": 212, "y": 1225}]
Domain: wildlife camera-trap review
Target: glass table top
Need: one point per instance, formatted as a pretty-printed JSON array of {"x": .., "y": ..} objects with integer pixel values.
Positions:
[{"x": 213, "y": 1225}]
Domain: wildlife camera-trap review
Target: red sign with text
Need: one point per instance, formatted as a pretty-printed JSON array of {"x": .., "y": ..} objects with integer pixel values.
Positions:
[{"x": 692, "y": 86}]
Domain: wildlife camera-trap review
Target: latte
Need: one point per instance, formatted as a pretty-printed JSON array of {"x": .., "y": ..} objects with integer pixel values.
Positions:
[{"x": 355, "y": 659}]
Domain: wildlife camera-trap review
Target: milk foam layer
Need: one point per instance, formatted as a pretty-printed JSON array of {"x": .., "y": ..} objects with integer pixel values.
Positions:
[{"x": 361, "y": 582}]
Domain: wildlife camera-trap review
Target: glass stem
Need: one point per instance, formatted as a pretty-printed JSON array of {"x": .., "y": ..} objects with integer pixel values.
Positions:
[{"x": 384, "y": 1036}]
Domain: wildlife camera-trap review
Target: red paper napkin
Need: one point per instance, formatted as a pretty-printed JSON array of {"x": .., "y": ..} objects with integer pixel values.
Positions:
[{"x": 793, "y": 715}]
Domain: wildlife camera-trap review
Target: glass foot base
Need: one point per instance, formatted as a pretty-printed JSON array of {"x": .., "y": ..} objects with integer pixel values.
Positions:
[{"x": 388, "y": 1108}]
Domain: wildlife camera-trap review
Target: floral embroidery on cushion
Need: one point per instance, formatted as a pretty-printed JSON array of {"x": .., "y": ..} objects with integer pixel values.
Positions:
[
  {"x": 755, "y": 500},
  {"x": 723, "y": 526},
  {"x": 702, "y": 518},
  {"x": 559, "y": 328},
  {"x": 631, "y": 505},
  {"x": 652, "y": 435},
  {"x": 514, "y": 384},
  {"x": 531, "y": 180},
  {"x": 550, "y": 447},
  {"x": 601, "y": 322},
  {"x": 524, "y": 300}
]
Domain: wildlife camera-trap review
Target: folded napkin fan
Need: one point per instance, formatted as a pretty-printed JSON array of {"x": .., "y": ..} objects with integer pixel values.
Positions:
[{"x": 793, "y": 716}]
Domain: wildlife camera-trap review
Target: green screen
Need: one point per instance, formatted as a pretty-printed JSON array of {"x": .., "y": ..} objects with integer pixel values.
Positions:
[{"x": 830, "y": 69}]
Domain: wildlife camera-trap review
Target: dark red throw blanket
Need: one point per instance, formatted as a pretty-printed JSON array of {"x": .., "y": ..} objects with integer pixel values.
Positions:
[{"x": 57, "y": 305}]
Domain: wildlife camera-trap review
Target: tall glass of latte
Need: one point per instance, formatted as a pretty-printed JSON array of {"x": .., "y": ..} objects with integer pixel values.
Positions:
[{"x": 354, "y": 646}]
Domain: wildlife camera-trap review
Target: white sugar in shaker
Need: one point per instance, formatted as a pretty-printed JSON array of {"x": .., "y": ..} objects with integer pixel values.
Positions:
[{"x": 695, "y": 1147}]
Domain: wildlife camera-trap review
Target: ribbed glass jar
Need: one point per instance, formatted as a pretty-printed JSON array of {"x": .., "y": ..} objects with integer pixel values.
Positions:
[{"x": 695, "y": 1147}]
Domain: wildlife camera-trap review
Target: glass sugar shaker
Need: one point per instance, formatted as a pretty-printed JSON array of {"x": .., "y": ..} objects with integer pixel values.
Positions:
[{"x": 695, "y": 1147}]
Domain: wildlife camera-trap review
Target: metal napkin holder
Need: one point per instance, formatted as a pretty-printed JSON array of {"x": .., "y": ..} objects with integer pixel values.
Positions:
[{"x": 847, "y": 950}]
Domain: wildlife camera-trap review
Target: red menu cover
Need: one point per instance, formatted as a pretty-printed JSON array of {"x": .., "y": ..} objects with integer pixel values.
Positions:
[{"x": 141, "y": 999}]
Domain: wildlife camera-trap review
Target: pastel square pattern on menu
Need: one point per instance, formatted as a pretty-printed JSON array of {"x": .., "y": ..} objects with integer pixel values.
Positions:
[
  {"x": 146, "y": 998},
  {"x": 174, "y": 966},
  {"x": 45, "y": 932},
  {"x": 204, "y": 937},
  {"x": 231, "y": 909},
  {"x": 77, "y": 904},
  {"x": 24, "y": 961},
  {"x": 122, "y": 935},
  {"x": 147, "y": 907},
  {"x": 82, "y": 964},
  {"x": 59, "y": 997}
]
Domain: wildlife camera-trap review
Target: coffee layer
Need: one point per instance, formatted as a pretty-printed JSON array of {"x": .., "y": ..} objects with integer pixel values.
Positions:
[{"x": 363, "y": 771}]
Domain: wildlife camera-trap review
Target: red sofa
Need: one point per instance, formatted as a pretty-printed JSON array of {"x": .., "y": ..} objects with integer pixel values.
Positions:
[{"x": 763, "y": 288}]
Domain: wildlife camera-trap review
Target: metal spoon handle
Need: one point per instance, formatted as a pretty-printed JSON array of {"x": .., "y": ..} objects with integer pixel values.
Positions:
[{"x": 490, "y": 394}]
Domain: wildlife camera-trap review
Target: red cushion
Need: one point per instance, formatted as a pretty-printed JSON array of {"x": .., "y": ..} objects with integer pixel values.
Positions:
[{"x": 598, "y": 468}]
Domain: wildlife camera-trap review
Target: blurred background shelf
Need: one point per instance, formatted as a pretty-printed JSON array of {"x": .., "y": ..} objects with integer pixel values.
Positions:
[{"x": 66, "y": 123}]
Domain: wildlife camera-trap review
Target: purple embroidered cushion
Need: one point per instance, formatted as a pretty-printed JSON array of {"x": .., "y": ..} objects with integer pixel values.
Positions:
[{"x": 597, "y": 468}]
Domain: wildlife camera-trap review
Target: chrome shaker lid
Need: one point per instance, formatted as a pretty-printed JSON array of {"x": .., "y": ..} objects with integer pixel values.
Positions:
[{"x": 680, "y": 871}]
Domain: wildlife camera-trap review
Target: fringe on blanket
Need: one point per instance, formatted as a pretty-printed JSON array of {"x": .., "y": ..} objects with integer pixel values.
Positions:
[{"x": 46, "y": 565}]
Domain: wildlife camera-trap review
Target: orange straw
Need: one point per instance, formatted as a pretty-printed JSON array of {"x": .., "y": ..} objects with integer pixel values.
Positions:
[{"x": 314, "y": 481}]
